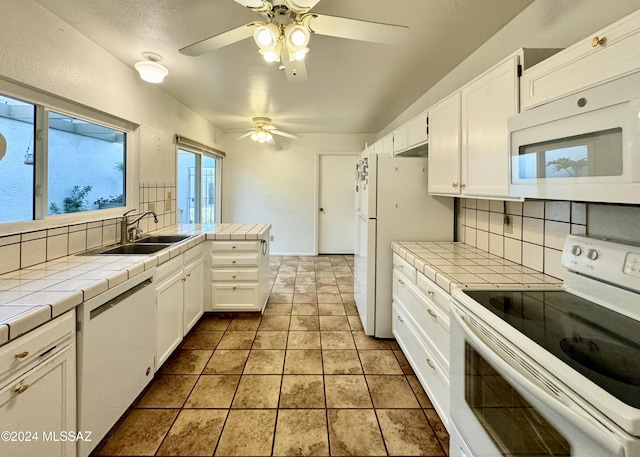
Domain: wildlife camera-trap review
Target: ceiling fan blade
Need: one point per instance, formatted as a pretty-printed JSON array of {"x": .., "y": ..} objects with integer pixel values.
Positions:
[
  {"x": 354, "y": 29},
  {"x": 245, "y": 135},
  {"x": 284, "y": 134},
  {"x": 302, "y": 4},
  {"x": 219, "y": 41}
]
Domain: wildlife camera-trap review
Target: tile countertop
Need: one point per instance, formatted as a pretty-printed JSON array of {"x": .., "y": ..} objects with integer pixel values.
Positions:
[
  {"x": 451, "y": 265},
  {"x": 32, "y": 296}
]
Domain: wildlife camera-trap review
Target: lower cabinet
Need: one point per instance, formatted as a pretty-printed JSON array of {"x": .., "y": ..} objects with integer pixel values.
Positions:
[
  {"x": 38, "y": 392},
  {"x": 179, "y": 300},
  {"x": 421, "y": 328},
  {"x": 239, "y": 275}
]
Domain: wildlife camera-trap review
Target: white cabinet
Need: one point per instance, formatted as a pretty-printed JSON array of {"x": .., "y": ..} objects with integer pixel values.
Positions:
[
  {"x": 38, "y": 391},
  {"x": 486, "y": 103},
  {"x": 603, "y": 56},
  {"x": 469, "y": 137},
  {"x": 444, "y": 146},
  {"x": 421, "y": 328},
  {"x": 387, "y": 144},
  {"x": 409, "y": 136},
  {"x": 418, "y": 130},
  {"x": 179, "y": 300},
  {"x": 239, "y": 275},
  {"x": 193, "y": 292}
]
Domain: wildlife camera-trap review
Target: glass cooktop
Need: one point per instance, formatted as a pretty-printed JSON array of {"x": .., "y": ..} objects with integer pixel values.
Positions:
[{"x": 601, "y": 344}]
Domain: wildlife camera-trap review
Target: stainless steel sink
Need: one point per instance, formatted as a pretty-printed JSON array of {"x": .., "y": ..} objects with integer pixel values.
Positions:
[
  {"x": 135, "y": 248},
  {"x": 162, "y": 239}
]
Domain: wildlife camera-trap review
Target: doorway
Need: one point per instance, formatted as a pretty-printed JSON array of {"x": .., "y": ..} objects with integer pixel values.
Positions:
[{"x": 336, "y": 203}]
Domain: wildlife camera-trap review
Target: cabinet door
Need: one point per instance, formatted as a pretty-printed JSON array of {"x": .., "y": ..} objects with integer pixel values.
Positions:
[
  {"x": 418, "y": 130},
  {"x": 487, "y": 102},
  {"x": 400, "y": 140},
  {"x": 46, "y": 406},
  {"x": 444, "y": 146},
  {"x": 193, "y": 291},
  {"x": 169, "y": 315},
  {"x": 387, "y": 144}
]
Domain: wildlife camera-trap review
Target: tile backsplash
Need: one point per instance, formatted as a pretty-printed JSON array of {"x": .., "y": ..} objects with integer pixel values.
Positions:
[
  {"x": 25, "y": 249},
  {"x": 534, "y": 236}
]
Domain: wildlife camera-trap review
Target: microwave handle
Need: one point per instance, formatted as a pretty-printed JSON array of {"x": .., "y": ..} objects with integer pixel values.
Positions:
[{"x": 582, "y": 421}]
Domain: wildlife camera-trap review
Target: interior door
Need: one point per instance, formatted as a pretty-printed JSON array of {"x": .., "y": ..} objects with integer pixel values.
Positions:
[{"x": 336, "y": 206}]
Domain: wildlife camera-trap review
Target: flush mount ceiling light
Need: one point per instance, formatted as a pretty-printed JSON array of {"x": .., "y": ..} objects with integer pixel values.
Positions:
[
  {"x": 283, "y": 34},
  {"x": 150, "y": 70}
]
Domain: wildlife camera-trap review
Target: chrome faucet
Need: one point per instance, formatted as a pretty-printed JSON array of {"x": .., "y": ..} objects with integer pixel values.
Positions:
[{"x": 127, "y": 228}]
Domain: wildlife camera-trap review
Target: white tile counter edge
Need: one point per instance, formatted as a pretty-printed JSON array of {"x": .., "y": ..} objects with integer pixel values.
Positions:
[{"x": 81, "y": 277}]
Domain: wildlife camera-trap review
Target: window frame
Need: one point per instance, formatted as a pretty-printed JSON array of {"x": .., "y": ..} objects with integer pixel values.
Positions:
[
  {"x": 201, "y": 150},
  {"x": 44, "y": 103}
]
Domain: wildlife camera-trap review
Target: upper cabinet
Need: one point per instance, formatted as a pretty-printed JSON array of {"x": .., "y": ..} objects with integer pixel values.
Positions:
[
  {"x": 605, "y": 55},
  {"x": 410, "y": 139},
  {"x": 469, "y": 141}
]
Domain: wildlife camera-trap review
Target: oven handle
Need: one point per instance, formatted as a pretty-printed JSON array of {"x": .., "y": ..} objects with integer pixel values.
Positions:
[{"x": 578, "y": 417}]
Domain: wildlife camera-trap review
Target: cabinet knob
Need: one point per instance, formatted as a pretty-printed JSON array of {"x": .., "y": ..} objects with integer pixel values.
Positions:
[
  {"x": 400, "y": 319},
  {"x": 401, "y": 281},
  {"x": 233, "y": 247},
  {"x": 22, "y": 355},
  {"x": 188, "y": 275},
  {"x": 234, "y": 276},
  {"x": 184, "y": 279},
  {"x": 430, "y": 363},
  {"x": 462, "y": 186},
  {"x": 597, "y": 41},
  {"x": 432, "y": 314},
  {"x": 20, "y": 389},
  {"x": 430, "y": 292},
  {"x": 233, "y": 261},
  {"x": 454, "y": 185},
  {"x": 234, "y": 287}
]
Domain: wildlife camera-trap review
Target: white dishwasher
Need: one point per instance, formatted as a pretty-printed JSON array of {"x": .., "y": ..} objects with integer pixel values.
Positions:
[{"x": 116, "y": 350}]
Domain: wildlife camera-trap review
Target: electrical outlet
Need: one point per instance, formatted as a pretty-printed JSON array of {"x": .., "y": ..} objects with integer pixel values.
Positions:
[
  {"x": 167, "y": 204},
  {"x": 152, "y": 207},
  {"x": 508, "y": 226}
]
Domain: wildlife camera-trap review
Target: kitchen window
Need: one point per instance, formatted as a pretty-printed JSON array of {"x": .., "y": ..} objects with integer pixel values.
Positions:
[
  {"x": 57, "y": 163},
  {"x": 199, "y": 171}
]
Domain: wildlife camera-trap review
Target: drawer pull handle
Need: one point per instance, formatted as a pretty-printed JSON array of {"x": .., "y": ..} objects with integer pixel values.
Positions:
[
  {"x": 430, "y": 363},
  {"x": 400, "y": 319},
  {"x": 401, "y": 281},
  {"x": 431, "y": 292},
  {"x": 432, "y": 314},
  {"x": 597, "y": 41},
  {"x": 21, "y": 388},
  {"x": 22, "y": 355}
]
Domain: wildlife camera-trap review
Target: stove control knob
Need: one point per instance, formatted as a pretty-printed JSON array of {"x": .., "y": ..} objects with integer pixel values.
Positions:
[
  {"x": 592, "y": 254},
  {"x": 576, "y": 250}
]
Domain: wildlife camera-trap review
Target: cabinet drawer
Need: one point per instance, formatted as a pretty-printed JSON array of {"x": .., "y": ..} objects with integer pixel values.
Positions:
[
  {"x": 168, "y": 268},
  {"x": 403, "y": 267},
  {"x": 24, "y": 353},
  {"x": 235, "y": 246},
  {"x": 427, "y": 318},
  {"x": 584, "y": 65},
  {"x": 237, "y": 297},
  {"x": 219, "y": 275},
  {"x": 434, "y": 292},
  {"x": 234, "y": 260},
  {"x": 433, "y": 378}
]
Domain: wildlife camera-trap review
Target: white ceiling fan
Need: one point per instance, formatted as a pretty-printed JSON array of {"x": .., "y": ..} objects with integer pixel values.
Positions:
[
  {"x": 263, "y": 131},
  {"x": 287, "y": 25}
]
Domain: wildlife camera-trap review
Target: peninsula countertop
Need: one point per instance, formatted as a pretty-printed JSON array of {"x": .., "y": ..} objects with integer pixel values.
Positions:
[{"x": 32, "y": 296}]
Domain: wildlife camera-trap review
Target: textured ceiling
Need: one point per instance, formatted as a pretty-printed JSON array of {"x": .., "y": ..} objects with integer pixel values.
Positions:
[{"x": 353, "y": 86}]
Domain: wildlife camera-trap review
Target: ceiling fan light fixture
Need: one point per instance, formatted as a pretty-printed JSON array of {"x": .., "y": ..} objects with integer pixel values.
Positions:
[
  {"x": 300, "y": 54},
  {"x": 297, "y": 36},
  {"x": 261, "y": 136},
  {"x": 150, "y": 70}
]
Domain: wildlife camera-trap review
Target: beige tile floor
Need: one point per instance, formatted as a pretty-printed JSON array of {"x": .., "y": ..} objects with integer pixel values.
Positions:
[{"x": 302, "y": 379}]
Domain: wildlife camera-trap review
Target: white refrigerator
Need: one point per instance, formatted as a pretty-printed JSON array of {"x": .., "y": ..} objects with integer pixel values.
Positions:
[{"x": 392, "y": 204}]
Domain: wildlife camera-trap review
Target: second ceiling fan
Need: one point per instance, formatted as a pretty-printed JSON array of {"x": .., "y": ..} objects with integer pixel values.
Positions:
[{"x": 284, "y": 33}]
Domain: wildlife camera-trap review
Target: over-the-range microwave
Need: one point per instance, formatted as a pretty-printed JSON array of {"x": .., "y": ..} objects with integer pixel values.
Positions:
[{"x": 582, "y": 147}]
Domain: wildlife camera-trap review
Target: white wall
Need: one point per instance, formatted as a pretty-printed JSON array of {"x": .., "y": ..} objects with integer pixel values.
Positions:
[
  {"x": 544, "y": 24},
  {"x": 263, "y": 184},
  {"x": 41, "y": 51}
]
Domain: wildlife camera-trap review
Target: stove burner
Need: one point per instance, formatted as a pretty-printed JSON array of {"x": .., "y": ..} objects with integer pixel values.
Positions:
[{"x": 609, "y": 359}]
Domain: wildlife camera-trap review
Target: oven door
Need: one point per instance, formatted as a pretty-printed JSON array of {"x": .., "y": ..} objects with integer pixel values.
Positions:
[{"x": 504, "y": 404}]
